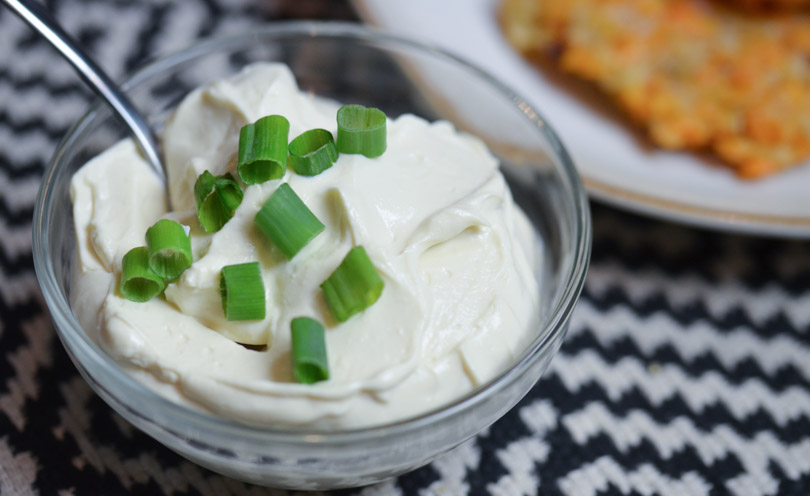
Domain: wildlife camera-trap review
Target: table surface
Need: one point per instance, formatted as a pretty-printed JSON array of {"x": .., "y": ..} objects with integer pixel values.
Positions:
[{"x": 686, "y": 369}]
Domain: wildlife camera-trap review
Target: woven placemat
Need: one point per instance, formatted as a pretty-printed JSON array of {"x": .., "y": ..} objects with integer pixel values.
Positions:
[{"x": 685, "y": 371}]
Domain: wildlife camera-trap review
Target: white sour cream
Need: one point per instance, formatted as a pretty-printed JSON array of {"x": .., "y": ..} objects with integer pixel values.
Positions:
[{"x": 434, "y": 214}]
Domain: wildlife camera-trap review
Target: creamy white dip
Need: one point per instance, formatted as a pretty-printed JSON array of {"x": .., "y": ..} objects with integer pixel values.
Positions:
[{"x": 434, "y": 214}]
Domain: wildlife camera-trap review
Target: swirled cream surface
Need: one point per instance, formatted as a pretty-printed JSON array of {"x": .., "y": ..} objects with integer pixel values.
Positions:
[{"x": 434, "y": 214}]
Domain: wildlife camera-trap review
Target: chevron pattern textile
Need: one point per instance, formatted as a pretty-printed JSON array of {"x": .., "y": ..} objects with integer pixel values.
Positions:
[{"x": 686, "y": 370}]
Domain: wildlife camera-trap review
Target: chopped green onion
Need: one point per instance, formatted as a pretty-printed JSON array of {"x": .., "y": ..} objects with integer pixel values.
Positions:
[
  {"x": 361, "y": 130},
  {"x": 242, "y": 291},
  {"x": 169, "y": 249},
  {"x": 309, "y": 350},
  {"x": 354, "y": 286},
  {"x": 263, "y": 149},
  {"x": 312, "y": 152},
  {"x": 217, "y": 199},
  {"x": 287, "y": 222},
  {"x": 138, "y": 283}
]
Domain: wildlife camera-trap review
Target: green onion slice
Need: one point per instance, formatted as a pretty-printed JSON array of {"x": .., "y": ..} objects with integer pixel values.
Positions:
[
  {"x": 312, "y": 152},
  {"x": 217, "y": 199},
  {"x": 242, "y": 291},
  {"x": 354, "y": 286},
  {"x": 263, "y": 149},
  {"x": 361, "y": 130},
  {"x": 138, "y": 283},
  {"x": 169, "y": 249},
  {"x": 287, "y": 222},
  {"x": 310, "y": 364}
]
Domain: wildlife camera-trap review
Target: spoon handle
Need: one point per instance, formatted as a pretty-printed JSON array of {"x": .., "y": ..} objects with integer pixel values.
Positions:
[{"x": 41, "y": 20}]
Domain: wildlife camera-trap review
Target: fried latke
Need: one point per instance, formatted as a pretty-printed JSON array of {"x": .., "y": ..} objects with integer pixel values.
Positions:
[{"x": 693, "y": 74}]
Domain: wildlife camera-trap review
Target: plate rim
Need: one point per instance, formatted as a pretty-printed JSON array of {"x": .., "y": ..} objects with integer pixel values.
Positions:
[{"x": 696, "y": 216}]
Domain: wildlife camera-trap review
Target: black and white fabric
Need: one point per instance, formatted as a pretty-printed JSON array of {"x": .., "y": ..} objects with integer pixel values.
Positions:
[{"x": 686, "y": 370}]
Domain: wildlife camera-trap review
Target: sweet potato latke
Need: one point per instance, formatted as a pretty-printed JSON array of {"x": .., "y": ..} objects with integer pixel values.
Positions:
[{"x": 695, "y": 74}]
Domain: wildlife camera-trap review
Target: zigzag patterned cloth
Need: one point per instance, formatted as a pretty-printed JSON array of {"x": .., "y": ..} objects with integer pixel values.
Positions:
[{"x": 686, "y": 370}]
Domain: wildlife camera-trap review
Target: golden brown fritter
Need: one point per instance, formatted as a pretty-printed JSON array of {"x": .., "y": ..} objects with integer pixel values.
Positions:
[{"x": 694, "y": 74}]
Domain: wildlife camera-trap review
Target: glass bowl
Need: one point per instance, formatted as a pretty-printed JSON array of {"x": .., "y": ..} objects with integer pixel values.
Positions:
[{"x": 347, "y": 63}]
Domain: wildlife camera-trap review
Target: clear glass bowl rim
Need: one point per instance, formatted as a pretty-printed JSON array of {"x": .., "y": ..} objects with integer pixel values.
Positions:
[{"x": 74, "y": 336}]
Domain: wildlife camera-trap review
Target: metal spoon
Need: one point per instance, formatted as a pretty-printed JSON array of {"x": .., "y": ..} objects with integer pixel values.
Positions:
[{"x": 41, "y": 20}]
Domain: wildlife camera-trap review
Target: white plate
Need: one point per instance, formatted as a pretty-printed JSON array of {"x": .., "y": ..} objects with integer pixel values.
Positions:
[{"x": 614, "y": 164}]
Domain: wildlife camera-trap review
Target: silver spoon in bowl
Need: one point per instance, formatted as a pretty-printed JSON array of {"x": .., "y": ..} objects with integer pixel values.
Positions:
[{"x": 43, "y": 22}]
